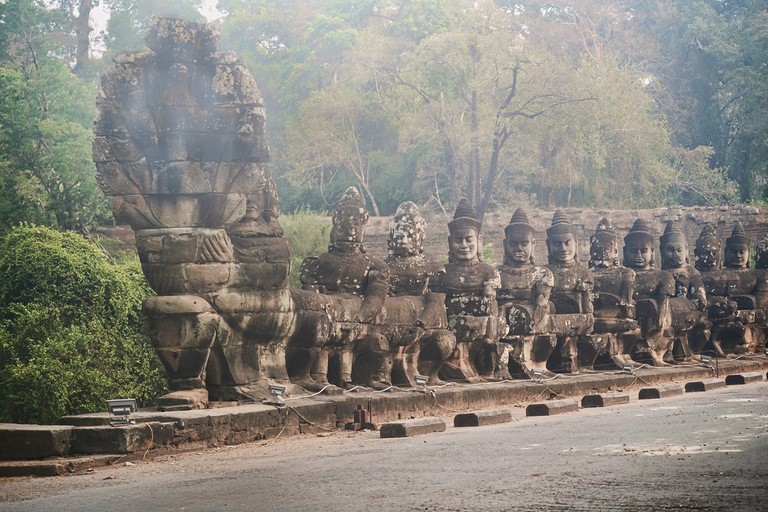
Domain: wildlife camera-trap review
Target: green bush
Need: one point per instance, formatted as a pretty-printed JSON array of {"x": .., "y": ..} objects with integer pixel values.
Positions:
[
  {"x": 71, "y": 329},
  {"x": 309, "y": 234}
]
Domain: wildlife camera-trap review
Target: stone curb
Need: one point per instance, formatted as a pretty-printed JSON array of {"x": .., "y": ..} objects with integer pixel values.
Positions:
[
  {"x": 704, "y": 385},
  {"x": 663, "y": 391},
  {"x": 604, "y": 400},
  {"x": 482, "y": 418},
  {"x": 414, "y": 427},
  {"x": 236, "y": 424},
  {"x": 743, "y": 378},
  {"x": 552, "y": 407}
]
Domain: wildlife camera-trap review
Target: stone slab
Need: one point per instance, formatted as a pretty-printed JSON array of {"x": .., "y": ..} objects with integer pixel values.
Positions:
[
  {"x": 482, "y": 418},
  {"x": 704, "y": 385},
  {"x": 604, "y": 399},
  {"x": 55, "y": 467},
  {"x": 552, "y": 407},
  {"x": 123, "y": 439},
  {"x": 414, "y": 427},
  {"x": 743, "y": 378},
  {"x": 26, "y": 442},
  {"x": 661, "y": 391}
]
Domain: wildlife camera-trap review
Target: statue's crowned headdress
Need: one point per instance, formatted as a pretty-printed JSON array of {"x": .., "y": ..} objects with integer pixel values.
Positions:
[
  {"x": 519, "y": 223},
  {"x": 349, "y": 218},
  {"x": 641, "y": 231},
  {"x": 560, "y": 224},
  {"x": 465, "y": 217},
  {"x": 672, "y": 233}
]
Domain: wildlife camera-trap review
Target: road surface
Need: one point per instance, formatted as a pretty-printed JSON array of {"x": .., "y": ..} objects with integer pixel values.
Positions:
[{"x": 700, "y": 451}]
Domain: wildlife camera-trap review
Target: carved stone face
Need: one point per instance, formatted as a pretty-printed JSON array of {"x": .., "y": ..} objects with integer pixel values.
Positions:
[
  {"x": 404, "y": 242},
  {"x": 707, "y": 257},
  {"x": 347, "y": 228},
  {"x": 737, "y": 255},
  {"x": 463, "y": 245},
  {"x": 518, "y": 248},
  {"x": 638, "y": 254},
  {"x": 561, "y": 247},
  {"x": 674, "y": 254},
  {"x": 603, "y": 251}
]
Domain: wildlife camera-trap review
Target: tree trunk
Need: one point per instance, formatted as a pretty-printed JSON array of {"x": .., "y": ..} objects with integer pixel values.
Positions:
[{"x": 82, "y": 33}]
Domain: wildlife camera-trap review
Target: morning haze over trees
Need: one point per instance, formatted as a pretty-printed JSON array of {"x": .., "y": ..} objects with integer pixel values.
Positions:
[{"x": 590, "y": 103}]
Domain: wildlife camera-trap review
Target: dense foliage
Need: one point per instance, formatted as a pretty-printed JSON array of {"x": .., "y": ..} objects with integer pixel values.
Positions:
[
  {"x": 71, "y": 330},
  {"x": 619, "y": 103}
]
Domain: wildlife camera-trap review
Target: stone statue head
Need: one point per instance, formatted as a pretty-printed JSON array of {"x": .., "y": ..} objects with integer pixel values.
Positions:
[
  {"x": 638, "y": 246},
  {"x": 761, "y": 253},
  {"x": 407, "y": 230},
  {"x": 349, "y": 219},
  {"x": 561, "y": 240},
  {"x": 464, "y": 241},
  {"x": 737, "y": 247},
  {"x": 519, "y": 241},
  {"x": 603, "y": 246},
  {"x": 707, "y": 251},
  {"x": 673, "y": 247}
]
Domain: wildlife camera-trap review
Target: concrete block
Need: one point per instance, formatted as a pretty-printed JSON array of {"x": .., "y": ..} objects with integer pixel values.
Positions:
[
  {"x": 704, "y": 385},
  {"x": 415, "y": 427},
  {"x": 24, "y": 442},
  {"x": 552, "y": 407},
  {"x": 661, "y": 391},
  {"x": 482, "y": 418},
  {"x": 604, "y": 399},
  {"x": 743, "y": 378},
  {"x": 124, "y": 439}
]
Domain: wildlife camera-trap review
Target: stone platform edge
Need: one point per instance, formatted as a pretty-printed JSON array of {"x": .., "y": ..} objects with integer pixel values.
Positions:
[{"x": 46, "y": 450}]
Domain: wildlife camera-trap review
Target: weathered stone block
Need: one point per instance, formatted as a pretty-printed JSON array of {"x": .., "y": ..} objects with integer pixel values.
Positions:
[
  {"x": 604, "y": 399},
  {"x": 704, "y": 385},
  {"x": 482, "y": 418},
  {"x": 662, "y": 391},
  {"x": 21, "y": 442},
  {"x": 415, "y": 427},
  {"x": 552, "y": 407},
  {"x": 743, "y": 378},
  {"x": 127, "y": 439}
]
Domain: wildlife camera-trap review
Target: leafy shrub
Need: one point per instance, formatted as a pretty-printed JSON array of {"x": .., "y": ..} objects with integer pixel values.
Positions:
[
  {"x": 309, "y": 234},
  {"x": 71, "y": 329}
]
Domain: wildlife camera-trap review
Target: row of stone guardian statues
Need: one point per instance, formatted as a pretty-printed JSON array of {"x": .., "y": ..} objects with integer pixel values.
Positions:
[
  {"x": 469, "y": 321},
  {"x": 180, "y": 145}
]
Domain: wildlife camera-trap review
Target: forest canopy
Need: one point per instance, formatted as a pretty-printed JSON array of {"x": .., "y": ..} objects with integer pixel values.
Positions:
[{"x": 601, "y": 103}]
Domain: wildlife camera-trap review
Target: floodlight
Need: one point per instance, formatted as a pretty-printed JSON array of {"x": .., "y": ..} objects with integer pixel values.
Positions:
[
  {"x": 628, "y": 368},
  {"x": 706, "y": 361},
  {"x": 120, "y": 410},
  {"x": 276, "y": 397},
  {"x": 421, "y": 380}
]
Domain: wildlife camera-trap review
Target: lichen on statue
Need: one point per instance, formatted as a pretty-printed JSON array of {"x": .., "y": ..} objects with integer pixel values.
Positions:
[
  {"x": 360, "y": 282},
  {"x": 571, "y": 294},
  {"x": 738, "y": 295},
  {"x": 614, "y": 303},
  {"x": 523, "y": 297},
  {"x": 422, "y": 342},
  {"x": 470, "y": 287},
  {"x": 653, "y": 289},
  {"x": 692, "y": 330}
]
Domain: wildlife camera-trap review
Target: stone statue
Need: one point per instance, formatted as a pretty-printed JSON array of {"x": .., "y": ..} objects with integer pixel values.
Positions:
[
  {"x": 688, "y": 306},
  {"x": 572, "y": 296},
  {"x": 423, "y": 348},
  {"x": 613, "y": 295},
  {"x": 653, "y": 289},
  {"x": 179, "y": 142},
  {"x": 738, "y": 295},
  {"x": 470, "y": 298},
  {"x": 523, "y": 297},
  {"x": 359, "y": 279}
]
